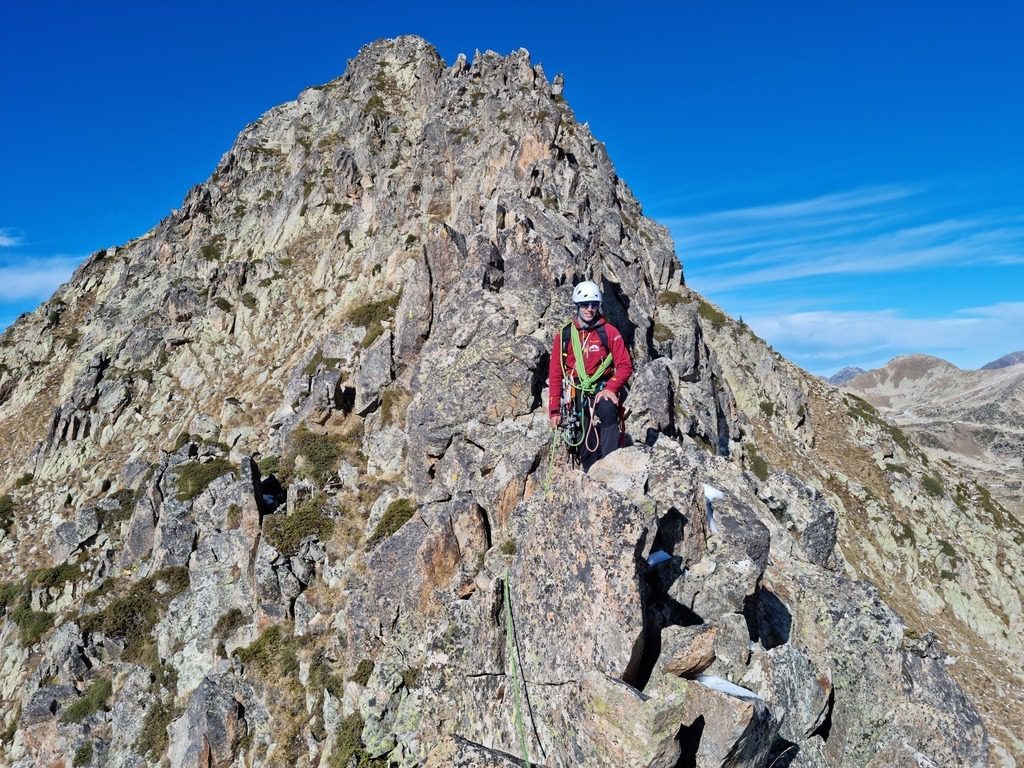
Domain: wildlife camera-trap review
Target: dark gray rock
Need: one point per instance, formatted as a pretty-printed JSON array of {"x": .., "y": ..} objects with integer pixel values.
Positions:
[
  {"x": 651, "y": 402},
  {"x": 211, "y": 730},
  {"x": 803, "y": 511},
  {"x": 47, "y": 703},
  {"x": 730, "y": 570},
  {"x": 375, "y": 373},
  {"x": 70, "y": 536}
]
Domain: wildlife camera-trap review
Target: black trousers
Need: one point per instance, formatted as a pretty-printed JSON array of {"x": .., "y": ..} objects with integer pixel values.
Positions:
[{"x": 606, "y": 433}]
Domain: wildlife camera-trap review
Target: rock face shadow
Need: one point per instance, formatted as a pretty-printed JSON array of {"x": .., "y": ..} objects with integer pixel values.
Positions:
[
  {"x": 768, "y": 619},
  {"x": 660, "y": 609},
  {"x": 689, "y": 742}
]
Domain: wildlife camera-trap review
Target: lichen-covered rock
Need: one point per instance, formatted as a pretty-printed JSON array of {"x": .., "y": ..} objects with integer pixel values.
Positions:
[
  {"x": 455, "y": 752},
  {"x": 71, "y": 535},
  {"x": 803, "y": 511},
  {"x": 789, "y": 682},
  {"x": 594, "y": 621},
  {"x": 210, "y": 731},
  {"x": 617, "y": 725}
]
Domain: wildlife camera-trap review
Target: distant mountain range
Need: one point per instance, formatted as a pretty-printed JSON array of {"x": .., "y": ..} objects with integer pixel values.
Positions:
[
  {"x": 844, "y": 375},
  {"x": 841, "y": 377},
  {"x": 974, "y": 419},
  {"x": 1014, "y": 358}
]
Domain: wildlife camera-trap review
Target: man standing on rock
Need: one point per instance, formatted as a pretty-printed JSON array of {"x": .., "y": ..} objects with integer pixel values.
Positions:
[{"x": 589, "y": 366}]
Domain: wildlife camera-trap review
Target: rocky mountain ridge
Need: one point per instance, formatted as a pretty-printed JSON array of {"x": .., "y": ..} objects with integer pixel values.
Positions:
[
  {"x": 844, "y": 375},
  {"x": 1012, "y": 358},
  {"x": 280, "y": 488},
  {"x": 974, "y": 419}
]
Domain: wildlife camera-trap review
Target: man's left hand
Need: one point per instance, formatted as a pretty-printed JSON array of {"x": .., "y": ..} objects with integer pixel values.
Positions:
[{"x": 606, "y": 394}]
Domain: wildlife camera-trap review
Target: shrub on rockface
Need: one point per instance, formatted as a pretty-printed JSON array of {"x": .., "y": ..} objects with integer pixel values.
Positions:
[
  {"x": 757, "y": 463},
  {"x": 32, "y": 625},
  {"x": 16, "y": 603},
  {"x": 934, "y": 486},
  {"x": 229, "y": 622},
  {"x": 670, "y": 298},
  {"x": 55, "y": 577},
  {"x": 272, "y": 652},
  {"x": 131, "y": 617},
  {"x": 92, "y": 700},
  {"x": 126, "y": 499},
  {"x": 348, "y": 746},
  {"x": 372, "y": 314},
  {"x": 7, "y": 508},
  {"x": 315, "y": 455},
  {"x": 393, "y": 402},
  {"x": 194, "y": 477},
  {"x": 398, "y": 513},
  {"x": 285, "y": 532},
  {"x": 153, "y": 739},
  {"x": 362, "y": 673},
  {"x": 83, "y": 755},
  {"x": 715, "y": 317}
]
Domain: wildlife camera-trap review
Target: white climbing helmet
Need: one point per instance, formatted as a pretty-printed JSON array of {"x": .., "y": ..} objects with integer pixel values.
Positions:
[{"x": 586, "y": 291}]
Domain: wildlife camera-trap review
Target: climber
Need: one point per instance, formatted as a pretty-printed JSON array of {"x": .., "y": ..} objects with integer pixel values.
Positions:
[{"x": 589, "y": 367}]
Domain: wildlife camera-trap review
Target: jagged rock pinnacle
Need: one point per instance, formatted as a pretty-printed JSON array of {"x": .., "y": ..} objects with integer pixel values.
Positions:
[{"x": 290, "y": 487}]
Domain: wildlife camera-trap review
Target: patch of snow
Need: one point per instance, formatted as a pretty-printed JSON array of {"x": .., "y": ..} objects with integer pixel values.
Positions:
[
  {"x": 658, "y": 556},
  {"x": 711, "y": 493},
  {"x": 711, "y": 517},
  {"x": 924, "y": 761},
  {"x": 722, "y": 685}
]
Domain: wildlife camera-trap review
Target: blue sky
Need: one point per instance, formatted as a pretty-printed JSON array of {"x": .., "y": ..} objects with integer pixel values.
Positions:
[{"x": 847, "y": 177}]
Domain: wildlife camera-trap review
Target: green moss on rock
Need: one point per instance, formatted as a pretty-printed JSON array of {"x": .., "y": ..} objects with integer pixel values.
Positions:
[
  {"x": 757, "y": 463},
  {"x": 285, "y": 532},
  {"x": 273, "y": 652},
  {"x": 92, "y": 700},
  {"x": 398, "y": 513},
  {"x": 194, "y": 477},
  {"x": 363, "y": 671}
]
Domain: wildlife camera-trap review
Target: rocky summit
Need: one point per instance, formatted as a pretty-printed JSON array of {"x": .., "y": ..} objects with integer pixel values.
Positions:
[{"x": 279, "y": 485}]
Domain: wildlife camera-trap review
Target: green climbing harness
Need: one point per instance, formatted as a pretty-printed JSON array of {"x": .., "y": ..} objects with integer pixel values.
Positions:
[
  {"x": 512, "y": 654},
  {"x": 587, "y": 384}
]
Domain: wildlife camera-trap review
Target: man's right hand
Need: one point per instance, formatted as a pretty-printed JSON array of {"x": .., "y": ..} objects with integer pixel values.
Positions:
[{"x": 555, "y": 420}]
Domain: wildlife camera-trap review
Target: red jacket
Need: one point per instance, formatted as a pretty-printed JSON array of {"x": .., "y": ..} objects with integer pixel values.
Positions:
[{"x": 593, "y": 353}]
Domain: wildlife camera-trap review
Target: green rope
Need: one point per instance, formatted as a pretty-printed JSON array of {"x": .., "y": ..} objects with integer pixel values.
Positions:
[
  {"x": 512, "y": 654},
  {"x": 587, "y": 384},
  {"x": 552, "y": 453}
]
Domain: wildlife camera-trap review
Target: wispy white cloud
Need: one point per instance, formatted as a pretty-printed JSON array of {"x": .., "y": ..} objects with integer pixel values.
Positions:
[
  {"x": 869, "y": 230},
  {"x": 832, "y": 203},
  {"x": 820, "y": 339},
  {"x": 35, "y": 278},
  {"x": 8, "y": 238}
]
